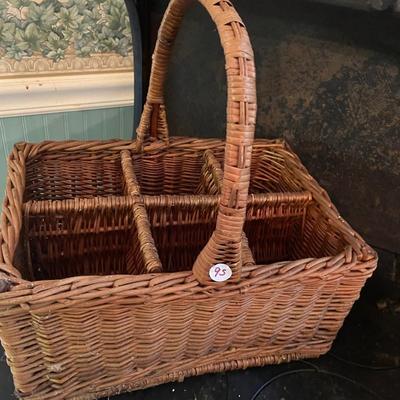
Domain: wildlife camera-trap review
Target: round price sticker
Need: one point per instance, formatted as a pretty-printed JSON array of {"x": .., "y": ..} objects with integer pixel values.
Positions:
[{"x": 220, "y": 272}]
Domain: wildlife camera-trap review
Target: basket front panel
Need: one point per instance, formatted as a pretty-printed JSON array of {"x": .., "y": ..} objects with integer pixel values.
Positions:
[{"x": 115, "y": 343}]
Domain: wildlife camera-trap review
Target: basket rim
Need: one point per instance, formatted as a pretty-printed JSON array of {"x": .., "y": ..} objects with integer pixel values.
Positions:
[
  {"x": 13, "y": 204},
  {"x": 49, "y": 295}
]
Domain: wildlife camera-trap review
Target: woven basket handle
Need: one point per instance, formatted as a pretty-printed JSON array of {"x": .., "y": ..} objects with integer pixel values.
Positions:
[{"x": 224, "y": 245}]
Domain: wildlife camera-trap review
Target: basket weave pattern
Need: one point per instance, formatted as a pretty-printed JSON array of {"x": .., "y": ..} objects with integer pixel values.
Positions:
[
  {"x": 106, "y": 248},
  {"x": 116, "y": 306}
]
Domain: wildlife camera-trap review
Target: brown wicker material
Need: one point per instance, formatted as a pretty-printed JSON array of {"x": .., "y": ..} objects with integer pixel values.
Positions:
[{"x": 106, "y": 248}]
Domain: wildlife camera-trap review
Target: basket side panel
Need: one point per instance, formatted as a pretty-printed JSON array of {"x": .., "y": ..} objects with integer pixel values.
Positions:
[{"x": 24, "y": 354}]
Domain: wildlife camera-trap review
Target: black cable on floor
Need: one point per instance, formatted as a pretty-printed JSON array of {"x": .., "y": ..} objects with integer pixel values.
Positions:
[
  {"x": 275, "y": 378},
  {"x": 365, "y": 366},
  {"x": 314, "y": 369}
]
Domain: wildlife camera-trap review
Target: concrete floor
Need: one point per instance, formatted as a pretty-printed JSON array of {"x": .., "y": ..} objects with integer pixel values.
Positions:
[{"x": 364, "y": 363}]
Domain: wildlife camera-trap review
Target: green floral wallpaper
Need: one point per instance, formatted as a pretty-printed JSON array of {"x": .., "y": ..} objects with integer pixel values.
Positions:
[{"x": 56, "y": 28}]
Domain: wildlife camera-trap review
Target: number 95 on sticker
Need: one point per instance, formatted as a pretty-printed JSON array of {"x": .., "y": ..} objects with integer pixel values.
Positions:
[{"x": 220, "y": 272}]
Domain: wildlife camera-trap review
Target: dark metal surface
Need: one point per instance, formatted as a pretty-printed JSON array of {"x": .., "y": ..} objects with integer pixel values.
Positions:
[
  {"x": 137, "y": 61},
  {"x": 328, "y": 81},
  {"x": 361, "y": 4},
  {"x": 144, "y": 15}
]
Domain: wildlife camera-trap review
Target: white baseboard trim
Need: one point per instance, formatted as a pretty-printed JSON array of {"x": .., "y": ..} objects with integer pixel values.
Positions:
[{"x": 50, "y": 94}]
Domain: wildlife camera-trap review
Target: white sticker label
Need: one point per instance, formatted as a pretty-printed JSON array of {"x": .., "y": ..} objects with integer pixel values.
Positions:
[{"x": 220, "y": 272}]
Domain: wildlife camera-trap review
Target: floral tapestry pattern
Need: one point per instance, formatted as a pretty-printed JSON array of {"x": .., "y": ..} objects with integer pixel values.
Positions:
[{"x": 56, "y": 29}]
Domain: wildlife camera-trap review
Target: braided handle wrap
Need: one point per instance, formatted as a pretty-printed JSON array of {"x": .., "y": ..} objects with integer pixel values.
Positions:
[{"x": 224, "y": 245}]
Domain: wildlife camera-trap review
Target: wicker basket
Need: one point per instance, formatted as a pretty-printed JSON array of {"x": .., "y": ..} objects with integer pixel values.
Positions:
[{"x": 106, "y": 249}]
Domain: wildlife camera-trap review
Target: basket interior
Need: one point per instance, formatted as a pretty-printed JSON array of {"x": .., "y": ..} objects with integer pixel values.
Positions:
[
  {"x": 81, "y": 213},
  {"x": 70, "y": 175},
  {"x": 86, "y": 238},
  {"x": 299, "y": 228},
  {"x": 176, "y": 172},
  {"x": 179, "y": 243}
]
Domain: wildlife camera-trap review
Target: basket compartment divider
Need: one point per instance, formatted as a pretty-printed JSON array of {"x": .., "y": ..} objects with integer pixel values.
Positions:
[
  {"x": 131, "y": 183},
  {"x": 147, "y": 246},
  {"x": 211, "y": 175}
]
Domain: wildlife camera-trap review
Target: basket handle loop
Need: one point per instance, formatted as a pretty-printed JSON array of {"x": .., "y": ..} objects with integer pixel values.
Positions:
[{"x": 224, "y": 245}]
